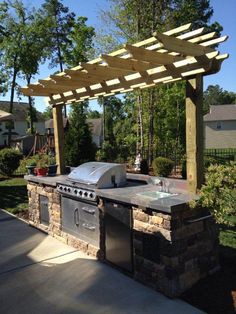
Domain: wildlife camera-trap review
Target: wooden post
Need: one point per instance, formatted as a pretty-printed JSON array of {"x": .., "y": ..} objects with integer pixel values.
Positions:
[
  {"x": 194, "y": 133},
  {"x": 59, "y": 138}
]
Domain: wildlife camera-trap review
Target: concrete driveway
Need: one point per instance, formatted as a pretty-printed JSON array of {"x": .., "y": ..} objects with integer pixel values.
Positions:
[{"x": 39, "y": 274}]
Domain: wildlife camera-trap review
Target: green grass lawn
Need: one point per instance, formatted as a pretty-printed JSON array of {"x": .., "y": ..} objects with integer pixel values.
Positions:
[{"x": 13, "y": 195}]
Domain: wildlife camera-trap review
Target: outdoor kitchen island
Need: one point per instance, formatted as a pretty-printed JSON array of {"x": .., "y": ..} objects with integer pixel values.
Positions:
[{"x": 144, "y": 227}]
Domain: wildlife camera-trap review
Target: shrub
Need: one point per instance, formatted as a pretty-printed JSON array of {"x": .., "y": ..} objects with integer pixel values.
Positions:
[
  {"x": 162, "y": 166},
  {"x": 9, "y": 160},
  {"x": 218, "y": 194},
  {"x": 144, "y": 169}
]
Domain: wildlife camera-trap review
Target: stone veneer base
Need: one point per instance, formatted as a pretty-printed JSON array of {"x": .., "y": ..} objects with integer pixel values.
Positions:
[{"x": 170, "y": 253}]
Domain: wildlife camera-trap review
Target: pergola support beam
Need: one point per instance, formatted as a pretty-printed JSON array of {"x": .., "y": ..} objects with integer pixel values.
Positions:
[
  {"x": 194, "y": 133},
  {"x": 59, "y": 138}
]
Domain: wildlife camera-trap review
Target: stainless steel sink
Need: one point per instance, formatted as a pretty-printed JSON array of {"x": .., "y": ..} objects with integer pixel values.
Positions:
[{"x": 156, "y": 194}]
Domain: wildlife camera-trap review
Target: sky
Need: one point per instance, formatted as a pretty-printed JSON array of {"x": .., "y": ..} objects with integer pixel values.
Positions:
[{"x": 224, "y": 13}]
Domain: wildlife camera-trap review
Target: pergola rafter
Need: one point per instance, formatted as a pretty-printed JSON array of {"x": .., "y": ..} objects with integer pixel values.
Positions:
[{"x": 162, "y": 58}]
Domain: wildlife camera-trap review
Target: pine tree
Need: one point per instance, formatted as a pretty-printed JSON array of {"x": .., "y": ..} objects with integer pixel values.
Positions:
[{"x": 78, "y": 141}]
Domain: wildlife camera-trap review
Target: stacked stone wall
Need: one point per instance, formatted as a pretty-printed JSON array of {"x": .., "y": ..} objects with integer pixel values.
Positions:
[
  {"x": 181, "y": 251},
  {"x": 55, "y": 225}
]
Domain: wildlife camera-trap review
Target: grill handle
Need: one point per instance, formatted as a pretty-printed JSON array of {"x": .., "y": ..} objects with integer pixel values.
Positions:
[
  {"x": 190, "y": 221},
  {"x": 76, "y": 217},
  {"x": 88, "y": 210},
  {"x": 88, "y": 226}
]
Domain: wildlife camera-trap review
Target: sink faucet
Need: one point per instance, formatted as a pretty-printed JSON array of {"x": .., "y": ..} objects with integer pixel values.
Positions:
[{"x": 164, "y": 186}]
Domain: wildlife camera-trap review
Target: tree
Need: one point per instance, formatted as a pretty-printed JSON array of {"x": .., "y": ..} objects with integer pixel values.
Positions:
[
  {"x": 79, "y": 45},
  {"x": 34, "y": 51},
  {"x": 157, "y": 108},
  {"x": 78, "y": 141},
  {"x": 215, "y": 95},
  {"x": 70, "y": 38},
  {"x": 12, "y": 23},
  {"x": 61, "y": 23},
  {"x": 47, "y": 114},
  {"x": 93, "y": 114}
]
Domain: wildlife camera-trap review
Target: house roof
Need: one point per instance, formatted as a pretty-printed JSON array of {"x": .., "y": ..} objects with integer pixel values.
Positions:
[
  {"x": 49, "y": 123},
  {"x": 221, "y": 113},
  {"x": 5, "y": 116},
  {"x": 20, "y": 110},
  {"x": 96, "y": 126}
]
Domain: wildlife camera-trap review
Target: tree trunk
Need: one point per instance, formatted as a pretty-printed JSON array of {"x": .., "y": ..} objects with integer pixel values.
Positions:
[
  {"x": 11, "y": 102},
  {"x": 140, "y": 125},
  {"x": 30, "y": 109},
  {"x": 151, "y": 128}
]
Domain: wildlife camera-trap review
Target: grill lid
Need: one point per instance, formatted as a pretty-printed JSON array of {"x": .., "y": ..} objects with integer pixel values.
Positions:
[{"x": 100, "y": 174}]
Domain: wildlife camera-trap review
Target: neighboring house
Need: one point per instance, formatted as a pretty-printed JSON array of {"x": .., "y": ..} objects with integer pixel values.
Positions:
[
  {"x": 220, "y": 127},
  {"x": 50, "y": 128},
  {"x": 19, "y": 122},
  {"x": 94, "y": 124}
]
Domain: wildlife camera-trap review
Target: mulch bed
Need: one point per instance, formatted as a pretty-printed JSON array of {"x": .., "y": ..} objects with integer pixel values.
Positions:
[{"x": 216, "y": 294}]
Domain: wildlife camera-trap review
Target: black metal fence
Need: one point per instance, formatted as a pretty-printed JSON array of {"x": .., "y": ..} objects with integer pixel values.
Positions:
[{"x": 221, "y": 154}]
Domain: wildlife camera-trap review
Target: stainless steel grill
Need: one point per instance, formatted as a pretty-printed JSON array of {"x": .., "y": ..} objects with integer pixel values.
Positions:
[
  {"x": 83, "y": 180},
  {"x": 80, "y": 214}
]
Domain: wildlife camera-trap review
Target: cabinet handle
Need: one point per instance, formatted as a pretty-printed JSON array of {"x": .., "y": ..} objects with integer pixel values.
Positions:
[
  {"x": 76, "y": 217},
  {"x": 88, "y": 210},
  {"x": 89, "y": 227}
]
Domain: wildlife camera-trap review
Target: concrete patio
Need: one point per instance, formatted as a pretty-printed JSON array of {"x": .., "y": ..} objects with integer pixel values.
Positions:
[{"x": 39, "y": 274}]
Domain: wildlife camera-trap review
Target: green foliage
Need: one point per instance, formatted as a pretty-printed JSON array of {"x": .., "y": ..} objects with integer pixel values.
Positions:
[
  {"x": 79, "y": 147},
  {"x": 47, "y": 114},
  {"x": 80, "y": 42},
  {"x": 215, "y": 95},
  {"x": 93, "y": 114},
  {"x": 162, "y": 166},
  {"x": 218, "y": 194},
  {"x": 9, "y": 160},
  {"x": 106, "y": 152}
]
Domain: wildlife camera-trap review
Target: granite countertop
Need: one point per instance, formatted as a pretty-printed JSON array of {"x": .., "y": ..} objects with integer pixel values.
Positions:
[
  {"x": 143, "y": 195},
  {"x": 139, "y": 190}
]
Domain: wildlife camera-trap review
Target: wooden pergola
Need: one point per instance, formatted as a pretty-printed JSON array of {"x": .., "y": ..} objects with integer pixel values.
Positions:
[{"x": 178, "y": 54}]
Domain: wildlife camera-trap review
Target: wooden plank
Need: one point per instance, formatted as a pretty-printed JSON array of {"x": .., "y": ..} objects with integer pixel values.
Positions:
[
  {"x": 59, "y": 138},
  {"x": 194, "y": 133},
  {"x": 214, "y": 41},
  {"x": 100, "y": 70},
  {"x": 202, "y": 38},
  {"x": 181, "y": 46},
  {"x": 151, "y": 56},
  {"x": 184, "y": 36},
  {"x": 126, "y": 64}
]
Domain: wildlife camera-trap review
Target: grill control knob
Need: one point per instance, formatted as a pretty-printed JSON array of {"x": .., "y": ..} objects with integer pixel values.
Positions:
[
  {"x": 65, "y": 189},
  {"x": 91, "y": 195},
  {"x": 80, "y": 193},
  {"x": 86, "y": 194},
  {"x": 75, "y": 191},
  {"x": 68, "y": 190},
  {"x": 60, "y": 187}
]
